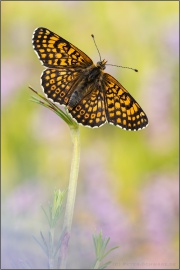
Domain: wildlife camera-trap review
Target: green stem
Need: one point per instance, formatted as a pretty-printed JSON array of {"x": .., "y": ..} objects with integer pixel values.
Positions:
[
  {"x": 71, "y": 194},
  {"x": 97, "y": 264},
  {"x": 51, "y": 251}
]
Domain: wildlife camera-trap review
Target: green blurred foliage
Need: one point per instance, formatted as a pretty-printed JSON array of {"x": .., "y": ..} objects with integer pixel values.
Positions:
[{"x": 36, "y": 144}]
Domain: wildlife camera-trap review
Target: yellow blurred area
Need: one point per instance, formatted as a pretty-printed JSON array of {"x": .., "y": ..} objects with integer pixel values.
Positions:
[{"x": 135, "y": 173}]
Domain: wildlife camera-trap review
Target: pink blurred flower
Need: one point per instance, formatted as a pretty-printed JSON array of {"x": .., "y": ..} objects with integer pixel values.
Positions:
[
  {"x": 159, "y": 205},
  {"x": 14, "y": 75}
]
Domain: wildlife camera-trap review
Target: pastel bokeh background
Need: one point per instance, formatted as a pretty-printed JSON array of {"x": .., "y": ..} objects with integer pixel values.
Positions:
[{"x": 128, "y": 181}]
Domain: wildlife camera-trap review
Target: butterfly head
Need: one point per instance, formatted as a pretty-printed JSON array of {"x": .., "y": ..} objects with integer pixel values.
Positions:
[{"x": 102, "y": 64}]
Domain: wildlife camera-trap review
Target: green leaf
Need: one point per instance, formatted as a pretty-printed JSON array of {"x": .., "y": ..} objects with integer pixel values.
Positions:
[
  {"x": 100, "y": 244},
  {"x": 65, "y": 116}
]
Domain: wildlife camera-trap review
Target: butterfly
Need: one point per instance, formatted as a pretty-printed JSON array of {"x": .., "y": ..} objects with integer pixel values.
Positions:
[{"x": 91, "y": 96}]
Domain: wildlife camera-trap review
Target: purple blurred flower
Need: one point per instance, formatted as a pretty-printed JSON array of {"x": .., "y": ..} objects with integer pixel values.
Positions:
[
  {"x": 14, "y": 76},
  {"x": 100, "y": 200},
  {"x": 51, "y": 126},
  {"x": 24, "y": 199},
  {"x": 159, "y": 205},
  {"x": 20, "y": 217},
  {"x": 159, "y": 87},
  {"x": 170, "y": 38}
]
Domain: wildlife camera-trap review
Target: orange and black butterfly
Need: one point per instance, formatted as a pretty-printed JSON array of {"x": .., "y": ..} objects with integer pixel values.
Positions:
[{"x": 91, "y": 96}]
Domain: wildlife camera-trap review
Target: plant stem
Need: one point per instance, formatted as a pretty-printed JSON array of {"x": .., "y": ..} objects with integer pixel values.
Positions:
[
  {"x": 71, "y": 195},
  {"x": 97, "y": 264},
  {"x": 51, "y": 251}
]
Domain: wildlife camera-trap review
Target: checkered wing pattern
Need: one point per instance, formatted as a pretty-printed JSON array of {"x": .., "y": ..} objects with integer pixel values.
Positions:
[
  {"x": 90, "y": 111},
  {"x": 121, "y": 108},
  {"x": 55, "y": 51},
  {"x": 57, "y": 84}
]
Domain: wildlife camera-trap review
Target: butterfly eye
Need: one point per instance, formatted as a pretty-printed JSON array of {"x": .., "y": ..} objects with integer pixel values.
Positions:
[{"x": 101, "y": 64}]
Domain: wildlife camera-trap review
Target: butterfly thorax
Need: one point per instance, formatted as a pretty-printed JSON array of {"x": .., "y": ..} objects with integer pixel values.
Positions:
[
  {"x": 82, "y": 86},
  {"x": 102, "y": 64}
]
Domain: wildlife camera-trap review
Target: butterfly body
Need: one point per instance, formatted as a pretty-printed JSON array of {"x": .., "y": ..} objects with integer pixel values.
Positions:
[
  {"x": 92, "y": 74},
  {"x": 91, "y": 96}
]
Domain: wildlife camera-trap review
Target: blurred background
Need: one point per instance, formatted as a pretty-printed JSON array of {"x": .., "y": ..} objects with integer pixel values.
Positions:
[{"x": 128, "y": 181}]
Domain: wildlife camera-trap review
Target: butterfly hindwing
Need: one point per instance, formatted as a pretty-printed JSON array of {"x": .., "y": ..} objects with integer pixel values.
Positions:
[
  {"x": 90, "y": 111},
  {"x": 121, "y": 108},
  {"x": 57, "y": 84}
]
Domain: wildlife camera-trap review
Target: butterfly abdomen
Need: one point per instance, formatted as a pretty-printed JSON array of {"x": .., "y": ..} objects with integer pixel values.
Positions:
[
  {"x": 74, "y": 99},
  {"x": 82, "y": 88}
]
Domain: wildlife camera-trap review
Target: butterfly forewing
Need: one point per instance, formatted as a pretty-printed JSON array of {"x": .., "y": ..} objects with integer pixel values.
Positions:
[
  {"x": 91, "y": 96},
  {"x": 55, "y": 51}
]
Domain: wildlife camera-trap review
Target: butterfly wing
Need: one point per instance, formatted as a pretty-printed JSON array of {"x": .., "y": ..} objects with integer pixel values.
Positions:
[
  {"x": 65, "y": 63},
  {"x": 57, "y": 84},
  {"x": 121, "y": 108},
  {"x": 56, "y": 52},
  {"x": 90, "y": 111}
]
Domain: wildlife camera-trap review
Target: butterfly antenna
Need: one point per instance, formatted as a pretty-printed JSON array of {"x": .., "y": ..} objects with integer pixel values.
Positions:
[
  {"x": 96, "y": 46},
  {"x": 123, "y": 67}
]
